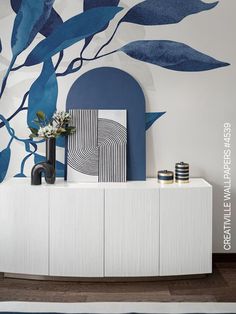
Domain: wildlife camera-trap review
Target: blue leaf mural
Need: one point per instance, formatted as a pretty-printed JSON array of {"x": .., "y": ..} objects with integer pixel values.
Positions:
[
  {"x": 43, "y": 93},
  {"x": 30, "y": 18},
  {"x": 33, "y": 17},
  {"x": 171, "y": 55},
  {"x": 161, "y": 12},
  {"x": 60, "y": 167},
  {"x": 151, "y": 117},
  {"x": 52, "y": 22},
  {"x": 90, "y": 4},
  {"x": 70, "y": 32},
  {"x": 5, "y": 157}
]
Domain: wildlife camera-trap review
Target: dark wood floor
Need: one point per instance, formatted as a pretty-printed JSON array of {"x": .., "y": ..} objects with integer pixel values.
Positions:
[{"x": 220, "y": 286}]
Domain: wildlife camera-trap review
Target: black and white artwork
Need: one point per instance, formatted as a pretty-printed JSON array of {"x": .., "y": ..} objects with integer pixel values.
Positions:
[{"x": 97, "y": 150}]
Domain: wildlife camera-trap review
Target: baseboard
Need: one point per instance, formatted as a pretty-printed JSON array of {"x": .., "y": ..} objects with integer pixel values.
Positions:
[
  {"x": 104, "y": 279},
  {"x": 224, "y": 257}
]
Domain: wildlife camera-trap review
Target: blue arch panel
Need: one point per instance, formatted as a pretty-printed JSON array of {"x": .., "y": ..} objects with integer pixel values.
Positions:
[{"x": 112, "y": 88}]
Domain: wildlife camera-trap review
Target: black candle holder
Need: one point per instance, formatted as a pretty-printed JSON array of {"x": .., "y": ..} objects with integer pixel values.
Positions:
[{"x": 48, "y": 167}]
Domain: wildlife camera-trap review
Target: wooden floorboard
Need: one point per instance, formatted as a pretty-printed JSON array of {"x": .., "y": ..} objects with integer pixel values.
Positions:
[{"x": 220, "y": 286}]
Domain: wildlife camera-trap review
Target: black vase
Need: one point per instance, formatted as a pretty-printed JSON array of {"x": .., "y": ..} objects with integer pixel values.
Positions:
[{"x": 48, "y": 167}]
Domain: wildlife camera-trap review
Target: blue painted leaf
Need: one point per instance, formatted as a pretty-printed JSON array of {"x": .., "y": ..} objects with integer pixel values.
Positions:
[
  {"x": 38, "y": 158},
  {"x": 5, "y": 157},
  {"x": 160, "y": 12},
  {"x": 151, "y": 117},
  {"x": 90, "y": 4},
  {"x": 171, "y": 55},
  {"x": 30, "y": 18},
  {"x": 70, "y": 32},
  {"x": 60, "y": 167},
  {"x": 43, "y": 93},
  {"x": 60, "y": 141},
  {"x": 15, "y": 4},
  {"x": 52, "y": 22}
]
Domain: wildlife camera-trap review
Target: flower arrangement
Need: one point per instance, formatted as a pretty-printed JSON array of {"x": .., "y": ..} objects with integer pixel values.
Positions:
[{"x": 57, "y": 126}]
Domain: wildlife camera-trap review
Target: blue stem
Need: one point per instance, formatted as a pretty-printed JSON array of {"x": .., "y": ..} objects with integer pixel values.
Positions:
[
  {"x": 108, "y": 42},
  {"x": 61, "y": 55},
  {"x": 26, "y": 158},
  {"x": 21, "y": 108},
  {"x": 70, "y": 68},
  {"x": 18, "y": 110},
  {"x": 12, "y": 133},
  {"x": 27, "y": 142},
  {"x": 4, "y": 82},
  {"x": 17, "y": 67},
  {"x": 11, "y": 140}
]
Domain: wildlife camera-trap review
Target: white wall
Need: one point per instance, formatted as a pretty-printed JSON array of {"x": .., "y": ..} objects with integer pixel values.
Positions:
[{"x": 197, "y": 104}]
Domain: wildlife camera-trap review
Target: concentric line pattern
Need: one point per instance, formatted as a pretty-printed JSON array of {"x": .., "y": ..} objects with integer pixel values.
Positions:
[
  {"x": 112, "y": 142},
  {"x": 98, "y": 148},
  {"x": 83, "y": 144}
]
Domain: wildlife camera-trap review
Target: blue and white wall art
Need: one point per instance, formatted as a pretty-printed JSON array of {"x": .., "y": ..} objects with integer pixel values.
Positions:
[{"x": 97, "y": 150}]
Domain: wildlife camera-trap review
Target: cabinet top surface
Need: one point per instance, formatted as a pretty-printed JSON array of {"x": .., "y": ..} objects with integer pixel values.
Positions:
[{"x": 150, "y": 183}]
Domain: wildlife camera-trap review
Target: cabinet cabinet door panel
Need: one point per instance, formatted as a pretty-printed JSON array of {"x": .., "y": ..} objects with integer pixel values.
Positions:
[
  {"x": 76, "y": 232},
  {"x": 24, "y": 230},
  {"x": 131, "y": 232},
  {"x": 185, "y": 231}
]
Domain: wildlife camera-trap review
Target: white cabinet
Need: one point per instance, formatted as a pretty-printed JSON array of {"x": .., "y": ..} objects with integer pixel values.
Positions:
[
  {"x": 132, "y": 229},
  {"x": 76, "y": 232},
  {"x": 186, "y": 229},
  {"x": 131, "y": 232},
  {"x": 23, "y": 229}
]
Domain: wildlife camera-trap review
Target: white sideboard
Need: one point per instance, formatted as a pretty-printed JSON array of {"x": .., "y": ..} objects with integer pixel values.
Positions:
[{"x": 132, "y": 229}]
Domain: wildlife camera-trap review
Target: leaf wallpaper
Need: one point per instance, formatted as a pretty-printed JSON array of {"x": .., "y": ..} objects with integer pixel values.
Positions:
[{"x": 45, "y": 45}]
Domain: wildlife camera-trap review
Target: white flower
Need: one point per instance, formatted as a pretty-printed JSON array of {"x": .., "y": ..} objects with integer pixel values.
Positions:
[
  {"x": 57, "y": 126},
  {"x": 61, "y": 117},
  {"x": 48, "y": 131}
]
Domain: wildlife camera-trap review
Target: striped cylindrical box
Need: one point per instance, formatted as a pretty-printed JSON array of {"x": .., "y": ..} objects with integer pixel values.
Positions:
[{"x": 182, "y": 172}]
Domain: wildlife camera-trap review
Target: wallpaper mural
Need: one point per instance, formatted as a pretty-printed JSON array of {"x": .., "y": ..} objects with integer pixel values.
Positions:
[{"x": 40, "y": 20}]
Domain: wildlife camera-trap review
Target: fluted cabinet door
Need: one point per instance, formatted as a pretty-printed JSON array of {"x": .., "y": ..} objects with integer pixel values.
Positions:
[
  {"x": 131, "y": 232},
  {"x": 76, "y": 232},
  {"x": 23, "y": 229},
  {"x": 185, "y": 230}
]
